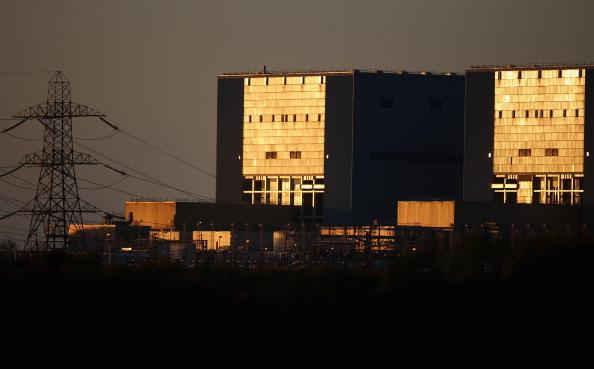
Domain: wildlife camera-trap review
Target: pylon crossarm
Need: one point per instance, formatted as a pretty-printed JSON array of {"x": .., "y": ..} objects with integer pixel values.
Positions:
[
  {"x": 41, "y": 158},
  {"x": 58, "y": 110}
]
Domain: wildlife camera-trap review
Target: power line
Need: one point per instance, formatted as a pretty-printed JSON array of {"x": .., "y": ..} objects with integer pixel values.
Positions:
[
  {"x": 172, "y": 156},
  {"x": 97, "y": 138},
  {"x": 22, "y": 138},
  {"x": 151, "y": 179},
  {"x": 28, "y": 72},
  {"x": 12, "y": 200},
  {"x": 109, "y": 187},
  {"x": 106, "y": 186},
  {"x": 14, "y": 228},
  {"x": 16, "y": 186},
  {"x": 11, "y": 171}
]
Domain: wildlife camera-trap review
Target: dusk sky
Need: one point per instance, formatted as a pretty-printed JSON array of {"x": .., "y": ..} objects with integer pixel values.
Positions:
[{"x": 151, "y": 66}]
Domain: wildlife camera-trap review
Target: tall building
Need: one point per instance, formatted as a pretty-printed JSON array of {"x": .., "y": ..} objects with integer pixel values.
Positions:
[
  {"x": 526, "y": 136},
  {"x": 342, "y": 146}
]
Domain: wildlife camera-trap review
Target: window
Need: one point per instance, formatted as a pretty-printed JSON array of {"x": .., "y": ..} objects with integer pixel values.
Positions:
[
  {"x": 307, "y": 117},
  {"x": 551, "y": 113},
  {"x": 527, "y": 114},
  {"x": 266, "y": 81},
  {"x": 295, "y": 154},
  {"x": 525, "y": 152},
  {"x": 498, "y": 75},
  {"x": 519, "y": 74},
  {"x": 387, "y": 103},
  {"x": 513, "y": 113},
  {"x": 249, "y": 118},
  {"x": 500, "y": 114},
  {"x": 282, "y": 117},
  {"x": 560, "y": 74},
  {"x": 540, "y": 74},
  {"x": 580, "y": 75},
  {"x": 272, "y": 118},
  {"x": 551, "y": 152},
  {"x": 435, "y": 105},
  {"x": 270, "y": 154},
  {"x": 564, "y": 113},
  {"x": 260, "y": 119},
  {"x": 577, "y": 112},
  {"x": 319, "y": 117}
]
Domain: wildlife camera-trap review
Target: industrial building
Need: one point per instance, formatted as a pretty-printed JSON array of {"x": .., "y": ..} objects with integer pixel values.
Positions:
[
  {"x": 188, "y": 216},
  {"x": 526, "y": 136},
  {"x": 341, "y": 146},
  {"x": 462, "y": 214}
]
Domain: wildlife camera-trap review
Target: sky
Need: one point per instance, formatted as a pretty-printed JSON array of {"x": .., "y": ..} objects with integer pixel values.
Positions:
[{"x": 151, "y": 65}]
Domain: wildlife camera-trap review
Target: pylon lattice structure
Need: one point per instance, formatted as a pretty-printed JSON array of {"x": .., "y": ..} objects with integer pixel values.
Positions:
[{"x": 57, "y": 205}]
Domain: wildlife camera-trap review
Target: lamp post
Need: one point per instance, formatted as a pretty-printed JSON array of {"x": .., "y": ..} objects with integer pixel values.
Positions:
[{"x": 109, "y": 248}]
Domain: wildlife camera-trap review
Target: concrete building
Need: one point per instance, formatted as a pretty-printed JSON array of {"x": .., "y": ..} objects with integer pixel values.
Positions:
[
  {"x": 459, "y": 214},
  {"x": 341, "y": 146},
  {"x": 186, "y": 216},
  {"x": 526, "y": 134}
]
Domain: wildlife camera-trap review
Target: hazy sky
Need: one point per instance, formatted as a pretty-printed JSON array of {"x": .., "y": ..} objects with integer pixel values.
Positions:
[{"x": 151, "y": 65}]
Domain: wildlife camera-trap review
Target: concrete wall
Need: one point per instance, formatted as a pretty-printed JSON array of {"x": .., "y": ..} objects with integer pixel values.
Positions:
[
  {"x": 474, "y": 214},
  {"x": 229, "y": 140},
  {"x": 478, "y": 136},
  {"x": 338, "y": 146},
  {"x": 157, "y": 215},
  {"x": 438, "y": 214},
  {"x": 408, "y": 142},
  {"x": 184, "y": 216},
  {"x": 589, "y": 147}
]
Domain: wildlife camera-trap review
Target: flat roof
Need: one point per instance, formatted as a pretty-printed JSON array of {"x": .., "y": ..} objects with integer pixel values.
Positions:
[
  {"x": 493, "y": 68},
  {"x": 273, "y": 73}
]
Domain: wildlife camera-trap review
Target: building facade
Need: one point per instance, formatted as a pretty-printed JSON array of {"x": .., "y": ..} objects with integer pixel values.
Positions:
[
  {"x": 526, "y": 136},
  {"x": 342, "y": 146}
]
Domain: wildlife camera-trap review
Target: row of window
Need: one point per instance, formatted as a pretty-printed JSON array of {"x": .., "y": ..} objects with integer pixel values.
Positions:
[
  {"x": 550, "y": 113},
  {"x": 321, "y": 80},
  {"x": 548, "y": 152},
  {"x": 559, "y": 74},
  {"x": 284, "y": 118},
  {"x": 292, "y": 155}
]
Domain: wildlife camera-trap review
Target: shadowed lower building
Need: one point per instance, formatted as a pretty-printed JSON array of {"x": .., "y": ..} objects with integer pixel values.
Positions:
[
  {"x": 341, "y": 146},
  {"x": 527, "y": 139}
]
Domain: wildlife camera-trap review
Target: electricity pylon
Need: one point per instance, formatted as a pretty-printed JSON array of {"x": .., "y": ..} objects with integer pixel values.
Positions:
[{"x": 57, "y": 205}]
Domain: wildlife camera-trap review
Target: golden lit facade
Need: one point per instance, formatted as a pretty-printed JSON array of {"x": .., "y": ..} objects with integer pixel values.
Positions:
[
  {"x": 283, "y": 139},
  {"x": 538, "y": 154}
]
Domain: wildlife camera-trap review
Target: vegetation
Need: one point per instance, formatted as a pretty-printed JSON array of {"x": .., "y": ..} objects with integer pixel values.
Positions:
[{"x": 480, "y": 287}]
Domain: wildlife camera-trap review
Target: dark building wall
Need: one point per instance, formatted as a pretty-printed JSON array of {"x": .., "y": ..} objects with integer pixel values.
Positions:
[
  {"x": 475, "y": 214},
  {"x": 478, "y": 136},
  {"x": 272, "y": 217},
  {"x": 589, "y": 147},
  {"x": 229, "y": 140},
  {"x": 408, "y": 142},
  {"x": 338, "y": 146}
]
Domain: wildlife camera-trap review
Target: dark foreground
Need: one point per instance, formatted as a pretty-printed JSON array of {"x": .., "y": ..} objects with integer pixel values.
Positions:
[{"x": 540, "y": 296}]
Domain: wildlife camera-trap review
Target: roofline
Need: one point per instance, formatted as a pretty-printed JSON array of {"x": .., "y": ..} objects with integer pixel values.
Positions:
[
  {"x": 494, "y": 68},
  {"x": 230, "y": 75}
]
